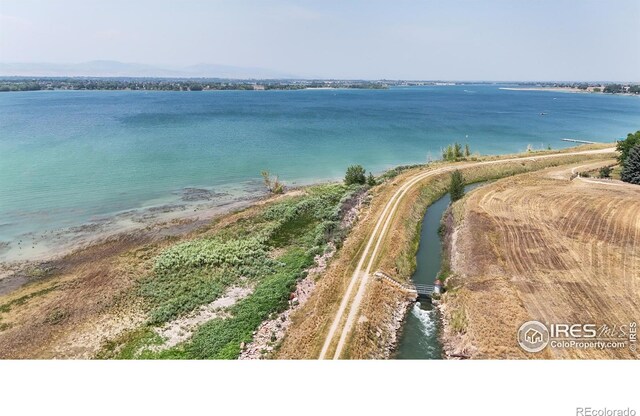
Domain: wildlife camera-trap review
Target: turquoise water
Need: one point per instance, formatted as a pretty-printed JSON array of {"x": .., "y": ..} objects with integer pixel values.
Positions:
[
  {"x": 72, "y": 157},
  {"x": 420, "y": 336}
]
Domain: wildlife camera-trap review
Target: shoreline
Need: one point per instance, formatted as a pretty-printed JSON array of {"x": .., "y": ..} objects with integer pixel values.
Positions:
[
  {"x": 556, "y": 89},
  {"x": 16, "y": 272},
  {"x": 167, "y": 218},
  {"x": 565, "y": 90},
  {"x": 189, "y": 202},
  {"x": 97, "y": 260}
]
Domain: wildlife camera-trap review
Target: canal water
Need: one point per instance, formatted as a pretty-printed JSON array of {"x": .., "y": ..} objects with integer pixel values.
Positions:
[{"x": 420, "y": 336}]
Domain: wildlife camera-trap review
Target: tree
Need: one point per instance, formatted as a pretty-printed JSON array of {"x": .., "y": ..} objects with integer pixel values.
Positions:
[
  {"x": 273, "y": 184},
  {"x": 371, "y": 181},
  {"x": 467, "y": 151},
  {"x": 456, "y": 186},
  {"x": 355, "y": 174},
  {"x": 613, "y": 88},
  {"x": 605, "y": 172},
  {"x": 631, "y": 169},
  {"x": 457, "y": 150},
  {"x": 450, "y": 153},
  {"x": 454, "y": 152},
  {"x": 625, "y": 146},
  {"x": 447, "y": 153}
]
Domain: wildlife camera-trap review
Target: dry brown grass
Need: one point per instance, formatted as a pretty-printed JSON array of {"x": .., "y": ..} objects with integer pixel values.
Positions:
[
  {"x": 372, "y": 337},
  {"x": 77, "y": 308},
  {"x": 539, "y": 246},
  {"x": 397, "y": 258}
]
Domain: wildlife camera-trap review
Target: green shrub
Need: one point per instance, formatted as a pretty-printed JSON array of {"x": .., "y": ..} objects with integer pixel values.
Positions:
[
  {"x": 371, "y": 180},
  {"x": 605, "y": 172},
  {"x": 355, "y": 175},
  {"x": 273, "y": 184},
  {"x": 195, "y": 273},
  {"x": 221, "y": 338},
  {"x": 456, "y": 185},
  {"x": 212, "y": 252}
]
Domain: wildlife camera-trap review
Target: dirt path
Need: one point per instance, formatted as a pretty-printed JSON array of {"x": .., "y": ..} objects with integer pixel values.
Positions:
[{"x": 351, "y": 302}]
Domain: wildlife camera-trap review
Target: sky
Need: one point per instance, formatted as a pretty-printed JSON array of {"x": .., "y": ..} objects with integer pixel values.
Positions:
[{"x": 351, "y": 39}]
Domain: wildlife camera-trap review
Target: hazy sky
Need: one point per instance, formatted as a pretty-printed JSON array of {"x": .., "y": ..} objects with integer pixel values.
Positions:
[{"x": 407, "y": 39}]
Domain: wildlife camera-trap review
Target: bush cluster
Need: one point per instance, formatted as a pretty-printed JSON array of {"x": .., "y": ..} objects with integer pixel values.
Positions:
[{"x": 197, "y": 272}]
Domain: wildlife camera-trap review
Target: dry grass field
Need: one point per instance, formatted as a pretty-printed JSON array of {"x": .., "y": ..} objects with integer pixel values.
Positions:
[
  {"x": 541, "y": 246},
  {"x": 371, "y": 334}
]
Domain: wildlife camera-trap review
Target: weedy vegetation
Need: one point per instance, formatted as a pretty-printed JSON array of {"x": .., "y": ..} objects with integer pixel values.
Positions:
[
  {"x": 269, "y": 252},
  {"x": 272, "y": 183}
]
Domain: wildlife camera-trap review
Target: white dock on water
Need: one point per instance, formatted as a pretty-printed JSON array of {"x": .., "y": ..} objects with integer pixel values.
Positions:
[{"x": 578, "y": 141}]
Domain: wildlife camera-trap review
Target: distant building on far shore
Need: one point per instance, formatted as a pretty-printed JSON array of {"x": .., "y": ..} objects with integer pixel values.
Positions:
[{"x": 595, "y": 88}]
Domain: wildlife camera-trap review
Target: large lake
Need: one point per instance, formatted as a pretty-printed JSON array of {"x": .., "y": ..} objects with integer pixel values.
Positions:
[{"x": 71, "y": 157}]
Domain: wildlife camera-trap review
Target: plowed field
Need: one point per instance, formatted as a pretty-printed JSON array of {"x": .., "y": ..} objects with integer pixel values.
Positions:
[{"x": 543, "y": 247}]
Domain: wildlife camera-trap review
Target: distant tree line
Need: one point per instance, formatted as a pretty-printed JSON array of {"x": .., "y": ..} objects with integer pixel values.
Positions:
[
  {"x": 610, "y": 88},
  {"x": 20, "y": 86},
  {"x": 157, "y": 84},
  {"x": 621, "y": 89}
]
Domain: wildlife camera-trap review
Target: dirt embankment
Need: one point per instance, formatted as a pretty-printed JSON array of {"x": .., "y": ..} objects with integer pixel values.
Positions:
[{"x": 542, "y": 247}]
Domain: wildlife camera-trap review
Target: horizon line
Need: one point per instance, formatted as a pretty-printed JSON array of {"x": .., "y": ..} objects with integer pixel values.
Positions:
[{"x": 300, "y": 79}]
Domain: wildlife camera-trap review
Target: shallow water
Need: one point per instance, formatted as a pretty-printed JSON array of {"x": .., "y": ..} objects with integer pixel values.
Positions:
[{"x": 72, "y": 157}]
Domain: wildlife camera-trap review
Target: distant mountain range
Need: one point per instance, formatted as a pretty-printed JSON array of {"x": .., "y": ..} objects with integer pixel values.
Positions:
[{"x": 123, "y": 69}]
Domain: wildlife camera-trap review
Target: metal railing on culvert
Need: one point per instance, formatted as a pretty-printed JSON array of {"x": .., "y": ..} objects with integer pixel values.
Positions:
[{"x": 421, "y": 290}]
